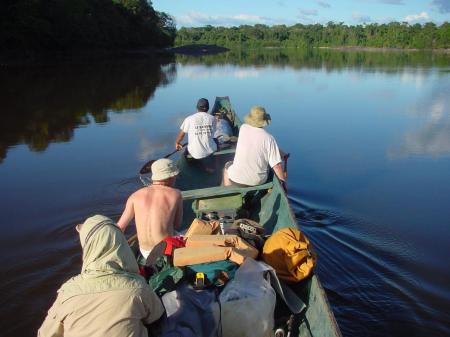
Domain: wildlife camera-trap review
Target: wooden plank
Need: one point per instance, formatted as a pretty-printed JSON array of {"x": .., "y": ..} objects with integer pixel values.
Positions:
[
  {"x": 221, "y": 190},
  {"x": 221, "y": 152},
  {"x": 225, "y": 151}
]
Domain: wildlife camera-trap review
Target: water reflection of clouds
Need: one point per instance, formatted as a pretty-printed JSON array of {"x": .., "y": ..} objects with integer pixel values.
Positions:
[
  {"x": 205, "y": 73},
  {"x": 126, "y": 119},
  {"x": 433, "y": 139},
  {"x": 306, "y": 77},
  {"x": 416, "y": 77},
  {"x": 149, "y": 148},
  {"x": 384, "y": 94},
  {"x": 321, "y": 87},
  {"x": 176, "y": 120}
]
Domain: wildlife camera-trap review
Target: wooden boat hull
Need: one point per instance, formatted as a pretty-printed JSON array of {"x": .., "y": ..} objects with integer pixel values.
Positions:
[{"x": 267, "y": 204}]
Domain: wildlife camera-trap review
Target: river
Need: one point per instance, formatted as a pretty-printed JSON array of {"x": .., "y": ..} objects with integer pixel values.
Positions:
[{"x": 369, "y": 172}]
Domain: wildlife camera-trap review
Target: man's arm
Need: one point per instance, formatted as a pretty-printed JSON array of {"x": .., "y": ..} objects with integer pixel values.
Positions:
[
  {"x": 180, "y": 137},
  {"x": 127, "y": 215},
  {"x": 278, "y": 169}
]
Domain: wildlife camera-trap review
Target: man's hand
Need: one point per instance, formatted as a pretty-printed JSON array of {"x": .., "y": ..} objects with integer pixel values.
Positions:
[{"x": 180, "y": 137}]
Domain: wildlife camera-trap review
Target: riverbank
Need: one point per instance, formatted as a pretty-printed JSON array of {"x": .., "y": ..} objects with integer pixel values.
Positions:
[
  {"x": 385, "y": 49},
  {"x": 197, "y": 49}
]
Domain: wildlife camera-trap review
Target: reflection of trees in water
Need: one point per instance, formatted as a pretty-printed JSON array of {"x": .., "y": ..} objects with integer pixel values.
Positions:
[
  {"x": 44, "y": 105},
  {"x": 321, "y": 58}
]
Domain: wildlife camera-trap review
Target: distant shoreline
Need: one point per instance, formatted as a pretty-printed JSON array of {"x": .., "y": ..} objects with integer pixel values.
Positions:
[
  {"x": 206, "y": 49},
  {"x": 42, "y": 58}
]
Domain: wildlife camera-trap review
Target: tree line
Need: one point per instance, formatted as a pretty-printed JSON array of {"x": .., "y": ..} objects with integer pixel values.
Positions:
[
  {"x": 82, "y": 24},
  {"x": 391, "y": 35}
]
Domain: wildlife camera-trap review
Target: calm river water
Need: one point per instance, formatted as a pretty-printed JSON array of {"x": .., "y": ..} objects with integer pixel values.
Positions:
[{"x": 369, "y": 174}]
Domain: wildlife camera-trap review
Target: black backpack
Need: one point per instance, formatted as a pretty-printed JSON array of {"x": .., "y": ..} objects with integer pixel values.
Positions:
[{"x": 249, "y": 230}]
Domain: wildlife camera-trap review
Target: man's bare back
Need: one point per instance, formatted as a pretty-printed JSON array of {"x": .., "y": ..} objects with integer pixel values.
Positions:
[{"x": 157, "y": 209}]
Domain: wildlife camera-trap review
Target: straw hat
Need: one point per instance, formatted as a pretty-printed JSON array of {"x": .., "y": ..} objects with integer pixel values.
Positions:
[
  {"x": 257, "y": 117},
  {"x": 163, "y": 169}
]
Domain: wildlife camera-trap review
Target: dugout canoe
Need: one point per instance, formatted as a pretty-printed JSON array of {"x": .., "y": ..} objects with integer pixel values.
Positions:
[{"x": 266, "y": 204}]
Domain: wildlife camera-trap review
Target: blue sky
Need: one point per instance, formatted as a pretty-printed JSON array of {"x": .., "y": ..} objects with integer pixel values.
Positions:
[{"x": 196, "y": 13}]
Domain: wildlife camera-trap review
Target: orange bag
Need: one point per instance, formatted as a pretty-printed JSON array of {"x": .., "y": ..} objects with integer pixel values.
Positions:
[
  {"x": 202, "y": 227},
  {"x": 290, "y": 253}
]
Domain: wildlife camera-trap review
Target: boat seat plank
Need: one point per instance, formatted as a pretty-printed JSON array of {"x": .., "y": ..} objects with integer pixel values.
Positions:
[
  {"x": 225, "y": 151},
  {"x": 221, "y": 190},
  {"x": 221, "y": 152}
]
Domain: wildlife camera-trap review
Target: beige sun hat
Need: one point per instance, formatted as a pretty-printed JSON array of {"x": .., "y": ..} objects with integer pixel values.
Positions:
[
  {"x": 163, "y": 169},
  {"x": 257, "y": 117}
]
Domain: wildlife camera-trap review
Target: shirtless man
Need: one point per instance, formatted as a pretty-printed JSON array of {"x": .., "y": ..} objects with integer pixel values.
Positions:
[{"x": 157, "y": 208}]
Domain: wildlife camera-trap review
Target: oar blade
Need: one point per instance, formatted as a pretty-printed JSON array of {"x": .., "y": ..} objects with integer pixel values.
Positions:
[{"x": 147, "y": 168}]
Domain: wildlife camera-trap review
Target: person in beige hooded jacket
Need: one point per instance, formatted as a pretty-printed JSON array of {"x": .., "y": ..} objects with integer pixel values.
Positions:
[{"x": 109, "y": 297}]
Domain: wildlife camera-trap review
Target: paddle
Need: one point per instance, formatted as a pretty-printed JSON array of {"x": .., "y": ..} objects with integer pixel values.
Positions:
[
  {"x": 285, "y": 158},
  {"x": 148, "y": 165}
]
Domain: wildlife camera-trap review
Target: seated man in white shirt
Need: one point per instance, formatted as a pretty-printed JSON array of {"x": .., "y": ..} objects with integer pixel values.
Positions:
[
  {"x": 256, "y": 151},
  {"x": 200, "y": 128}
]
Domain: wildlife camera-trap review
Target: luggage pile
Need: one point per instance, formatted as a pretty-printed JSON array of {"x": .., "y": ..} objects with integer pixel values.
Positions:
[{"x": 223, "y": 278}]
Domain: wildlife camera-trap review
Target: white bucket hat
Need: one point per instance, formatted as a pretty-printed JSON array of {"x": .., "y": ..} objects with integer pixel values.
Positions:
[
  {"x": 257, "y": 117},
  {"x": 163, "y": 169}
]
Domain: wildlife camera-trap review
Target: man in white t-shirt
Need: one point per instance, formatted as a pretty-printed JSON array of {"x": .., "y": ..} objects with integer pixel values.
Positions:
[
  {"x": 200, "y": 128},
  {"x": 256, "y": 152}
]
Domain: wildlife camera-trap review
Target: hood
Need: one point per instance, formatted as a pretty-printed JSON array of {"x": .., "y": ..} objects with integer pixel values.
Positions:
[{"x": 108, "y": 262}]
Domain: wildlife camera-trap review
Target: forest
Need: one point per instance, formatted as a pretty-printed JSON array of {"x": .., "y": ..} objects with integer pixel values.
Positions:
[
  {"x": 60, "y": 25},
  {"x": 391, "y": 35}
]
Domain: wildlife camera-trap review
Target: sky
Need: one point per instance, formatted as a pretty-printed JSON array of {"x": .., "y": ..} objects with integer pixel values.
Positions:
[{"x": 195, "y": 13}]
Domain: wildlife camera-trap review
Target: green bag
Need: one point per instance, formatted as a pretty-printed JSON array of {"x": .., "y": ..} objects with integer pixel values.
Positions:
[
  {"x": 216, "y": 273},
  {"x": 167, "y": 278}
]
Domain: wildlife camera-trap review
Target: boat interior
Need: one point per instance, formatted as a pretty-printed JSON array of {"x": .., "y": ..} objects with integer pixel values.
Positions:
[{"x": 267, "y": 204}]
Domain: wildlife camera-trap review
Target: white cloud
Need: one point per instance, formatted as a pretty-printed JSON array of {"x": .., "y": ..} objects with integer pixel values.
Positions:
[
  {"x": 201, "y": 19},
  {"x": 323, "y": 4},
  {"x": 442, "y": 5},
  {"x": 309, "y": 12},
  {"x": 392, "y": 2},
  {"x": 360, "y": 17},
  {"x": 417, "y": 17}
]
